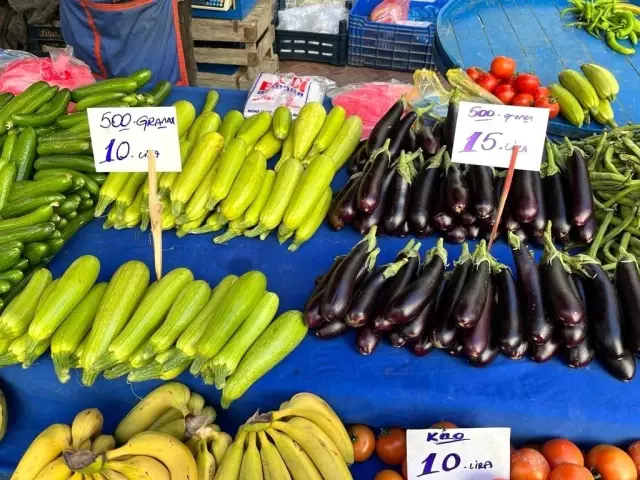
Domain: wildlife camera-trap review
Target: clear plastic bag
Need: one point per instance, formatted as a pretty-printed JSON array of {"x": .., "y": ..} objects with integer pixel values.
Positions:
[
  {"x": 313, "y": 18},
  {"x": 10, "y": 56},
  {"x": 391, "y": 11}
]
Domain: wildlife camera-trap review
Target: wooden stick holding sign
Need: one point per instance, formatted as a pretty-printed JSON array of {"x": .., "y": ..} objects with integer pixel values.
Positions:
[
  {"x": 155, "y": 213},
  {"x": 505, "y": 193}
]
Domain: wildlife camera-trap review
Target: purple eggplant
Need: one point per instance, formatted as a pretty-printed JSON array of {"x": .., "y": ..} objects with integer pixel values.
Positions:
[
  {"x": 331, "y": 330},
  {"x": 511, "y": 333},
  {"x": 366, "y": 340},
  {"x": 542, "y": 353},
  {"x": 444, "y": 328},
  {"x": 466, "y": 219},
  {"x": 456, "y": 349},
  {"x": 403, "y": 231},
  {"x": 572, "y": 336},
  {"x": 581, "y": 195},
  {"x": 554, "y": 199},
  {"x": 539, "y": 326},
  {"x": 413, "y": 331},
  {"x": 382, "y": 325},
  {"x": 623, "y": 368},
  {"x": 483, "y": 197},
  {"x": 525, "y": 202},
  {"x": 587, "y": 232},
  {"x": 487, "y": 356},
  {"x": 344, "y": 209},
  {"x": 605, "y": 317},
  {"x": 399, "y": 196},
  {"x": 381, "y": 130},
  {"x": 369, "y": 191},
  {"x": 628, "y": 287},
  {"x": 339, "y": 290},
  {"x": 423, "y": 190},
  {"x": 566, "y": 306},
  {"x": 399, "y": 134},
  {"x": 353, "y": 164},
  {"x": 449, "y": 128},
  {"x": 365, "y": 221},
  {"x": 411, "y": 300},
  {"x": 457, "y": 234},
  {"x": 423, "y": 346},
  {"x": 472, "y": 300},
  {"x": 476, "y": 339},
  {"x": 442, "y": 218},
  {"x": 474, "y": 232},
  {"x": 396, "y": 339},
  {"x": 312, "y": 316},
  {"x": 410, "y": 142},
  {"x": 539, "y": 222},
  {"x": 456, "y": 192},
  {"x": 426, "y": 140},
  {"x": 322, "y": 280},
  {"x": 581, "y": 355}
]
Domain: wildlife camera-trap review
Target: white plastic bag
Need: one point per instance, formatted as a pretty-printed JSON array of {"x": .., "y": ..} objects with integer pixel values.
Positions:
[{"x": 313, "y": 18}]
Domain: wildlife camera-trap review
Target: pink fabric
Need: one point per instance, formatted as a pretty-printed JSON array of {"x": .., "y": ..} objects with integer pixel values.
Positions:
[{"x": 370, "y": 102}]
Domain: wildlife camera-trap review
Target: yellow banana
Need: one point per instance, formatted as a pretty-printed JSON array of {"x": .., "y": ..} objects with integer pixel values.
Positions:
[
  {"x": 93, "y": 476},
  {"x": 56, "y": 470},
  {"x": 251, "y": 468},
  {"x": 273, "y": 466},
  {"x": 167, "y": 417},
  {"x": 176, "y": 429},
  {"x": 103, "y": 444},
  {"x": 298, "y": 462},
  {"x": 205, "y": 461},
  {"x": 43, "y": 450},
  {"x": 139, "y": 468},
  {"x": 209, "y": 413},
  {"x": 171, "y": 452},
  {"x": 196, "y": 403},
  {"x": 86, "y": 445},
  {"x": 79, "y": 476},
  {"x": 220, "y": 444},
  {"x": 113, "y": 475},
  {"x": 316, "y": 410},
  {"x": 144, "y": 414},
  {"x": 229, "y": 469},
  {"x": 318, "y": 446},
  {"x": 87, "y": 424}
]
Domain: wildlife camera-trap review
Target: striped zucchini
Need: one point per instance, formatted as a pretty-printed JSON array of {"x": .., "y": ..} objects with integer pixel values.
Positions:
[
  {"x": 283, "y": 189},
  {"x": 123, "y": 294},
  {"x": 197, "y": 205},
  {"x": 231, "y": 124},
  {"x": 15, "y": 319},
  {"x": 128, "y": 193},
  {"x": 255, "y": 127},
  {"x": 151, "y": 311},
  {"x": 132, "y": 215},
  {"x": 227, "y": 360},
  {"x": 330, "y": 129},
  {"x": 74, "y": 284},
  {"x": 185, "y": 115},
  {"x": 281, "y": 122},
  {"x": 279, "y": 339},
  {"x": 110, "y": 190},
  {"x": 74, "y": 328},
  {"x": 245, "y": 186},
  {"x": 269, "y": 145},
  {"x": 205, "y": 123},
  {"x": 167, "y": 179},
  {"x": 310, "y": 225},
  {"x": 46, "y": 294},
  {"x": 345, "y": 142},
  {"x": 201, "y": 160},
  {"x": 230, "y": 164},
  {"x": 287, "y": 148},
  {"x": 308, "y": 124},
  {"x": 191, "y": 301},
  {"x": 240, "y": 300}
]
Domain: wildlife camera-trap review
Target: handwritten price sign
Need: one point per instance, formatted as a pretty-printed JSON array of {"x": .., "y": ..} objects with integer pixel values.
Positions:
[
  {"x": 460, "y": 453},
  {"x": 486, "y": 134},
  {"x": 121, "y": 138}
]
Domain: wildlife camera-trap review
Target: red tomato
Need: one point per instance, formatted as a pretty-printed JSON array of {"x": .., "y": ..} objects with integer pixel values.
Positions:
[
  {"x": 527, "y": 83},
  {"x": 443, "y": 425},
  {"x": 634, "y": 453},
  {"x": 503, "y": 67},
  {"x": 561, "y": 450},
  {"x": 527, "y": 464},
  {"x": 364, "y": 442},
  {"x": 488, "y": 81},
  {"x": 567, "y": 471},
  {"x": 550, "y": 103},
  {"x": 541, "y": 92},
  {"x": 533, "y": 446},
  {"x": 611, "y": 463},
  {"x": 388, "y": 475},
  {"x": 505, "y": 93},
  {"x": 508, "y": 81},
  {"x": 474, "y": 73},
  {"x": 391, "y": 446},
  {"x": 522, "y": 100}
]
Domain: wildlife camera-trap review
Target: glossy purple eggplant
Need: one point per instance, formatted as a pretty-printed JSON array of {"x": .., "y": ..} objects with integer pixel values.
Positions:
[
  {"x": 427, "y": 140},
  {"x": 476, "y": 339},
  {"x": 449, "y": 127},
  {"x": 331, "y": 330},
  {"x": 587, "y": 232},
  {"x": 474, "y": 232},
  {"x": 483, "y": 197},
  {"x": 412, "y": 331},
  {"x": 312, "y": 316},
  {"x": 365, "y": 221},
  {"x": 353, "y": 164},
  {"x": 456, "y": 192},
  {"x": 628, "y": 288},
  {"x": 382, "y": 325},
  {"x": 466, "y": 219},
  {"x": 555, "y": 205},
  {"x": 321, "y": 280},
  {"x": 423, "y": 189},
  {"x": 457, "y": 234},
  {"x": 442, "y": 219},
  {"x": 410, "y": 141},
  {"x": 572, "y": 336},
  {"x": 396, "y": 339},
  {"x": 525, "y": 204},
  {"x": 511, "y": 333},
  {"x": 423, "y": 346},
  {"x": 544, "y": 352},
  {"x": 370, "y": 188},
  {"x": 366, "y": 340},
  {"x": 623, "y": 368},
  {"x": 397, "y": 206},
  {"x": 399, "y": 134},
  {"x": 382, "y": 129},
  {"x": 580, "y": 191},
  {"x": 581, "y": 355},
  {"x": 539, "y": 222},
  {"x": 343, "y": 208},
  {"x": 472, "y": 300}
]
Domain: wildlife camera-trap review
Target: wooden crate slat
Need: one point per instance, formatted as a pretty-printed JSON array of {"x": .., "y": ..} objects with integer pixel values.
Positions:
[
  {"x": 248, "y": 30},
  {"x": 249, "y": 56},
  {"x": 242, "y": 79}
]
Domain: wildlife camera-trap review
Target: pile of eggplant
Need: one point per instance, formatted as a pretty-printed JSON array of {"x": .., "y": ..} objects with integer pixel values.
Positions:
[
  {"x": 565, "y": 305},
  {"x": 403, "y": 181}
]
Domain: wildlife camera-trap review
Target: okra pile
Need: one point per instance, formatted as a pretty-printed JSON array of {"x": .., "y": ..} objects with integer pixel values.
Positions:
[
  {"x": 226, "y": 182},
  {"x": 563, "y": 305},
  {"x": 403, "y": 193},
  {"x": 48, "y": 182},
  {"x": 128, "y": 326}
]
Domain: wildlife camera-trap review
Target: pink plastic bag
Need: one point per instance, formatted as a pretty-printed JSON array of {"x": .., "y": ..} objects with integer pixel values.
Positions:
[
  {"x": 391, "y": 11},
  {"x": 60, "y": 69},
  {"x": 356, "y": 100}
]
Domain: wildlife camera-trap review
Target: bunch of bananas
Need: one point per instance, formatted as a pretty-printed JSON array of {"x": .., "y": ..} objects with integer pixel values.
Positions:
[
  {"x": 151, "y": 436},
  {"x": 589, "y": 96},
  {"x": 303, "y": 440}
]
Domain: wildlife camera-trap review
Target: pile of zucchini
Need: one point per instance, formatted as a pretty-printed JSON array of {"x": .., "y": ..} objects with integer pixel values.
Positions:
[
  {"x": 48, "y": 183},
  {"x": 157, "y": 330},
  {"x": 226, "y": 181}
]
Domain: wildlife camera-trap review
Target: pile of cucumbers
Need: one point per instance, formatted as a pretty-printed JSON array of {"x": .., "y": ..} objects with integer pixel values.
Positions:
[
  {"x": 48, "y": 182},
  {"x": 225, "y": 180},
  {"x": 149, "y": 330}
]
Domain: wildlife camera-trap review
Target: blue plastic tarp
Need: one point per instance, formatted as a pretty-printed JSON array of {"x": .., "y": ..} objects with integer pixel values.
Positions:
[{"x": 391, "y": 387}]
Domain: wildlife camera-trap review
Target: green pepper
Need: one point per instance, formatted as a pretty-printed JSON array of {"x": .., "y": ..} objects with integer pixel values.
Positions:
[
  {"x": 633, "y": 38},
  {"x": 616, "y": 47},
  {"x": 629, "y": 20}
]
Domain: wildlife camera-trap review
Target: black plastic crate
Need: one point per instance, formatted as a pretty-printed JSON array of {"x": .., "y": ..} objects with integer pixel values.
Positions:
[
  {"x": 44, "y": 32},
  {"x": 313, "y": 47}
]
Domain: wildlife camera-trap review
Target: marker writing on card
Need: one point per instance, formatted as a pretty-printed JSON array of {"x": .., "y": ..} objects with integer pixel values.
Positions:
[{"x": 488, "y": 142}]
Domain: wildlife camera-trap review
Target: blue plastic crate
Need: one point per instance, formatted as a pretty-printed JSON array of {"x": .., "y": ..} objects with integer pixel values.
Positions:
[
  {"x": 393, "y": 47},
  {"x": 241, "y": 10}
]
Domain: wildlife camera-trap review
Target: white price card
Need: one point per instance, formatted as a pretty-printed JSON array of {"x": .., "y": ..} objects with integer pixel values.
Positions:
[
  {"x": 486, "y": 134},
  {"x": 121, "y": 138},
  {"x": 459, "y": 453}
]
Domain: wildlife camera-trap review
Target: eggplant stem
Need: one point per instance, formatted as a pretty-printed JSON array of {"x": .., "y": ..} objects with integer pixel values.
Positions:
[
  {"x": 439, "y": 251},
  {"x": 513, "y": 240},
  {"x": 370, "y": 262},
  {"x": 405, "y": 167},
  {"x": 370, "y": 238},
  {"x": 392, "y": 269},
  {"x": 382, "y": 149},
  {"x": 552, "y": 166},
  {"x": 550, "y": 250},
  {"x": 436, "y": 160},
  {"x": 481, "y": 254},
  {"x": 464, "y": 255},
  {"x": 593, "y": 250}
]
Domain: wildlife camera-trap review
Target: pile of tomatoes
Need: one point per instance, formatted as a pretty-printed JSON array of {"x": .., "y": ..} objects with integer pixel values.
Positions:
[{"x": 521, "y": 89}]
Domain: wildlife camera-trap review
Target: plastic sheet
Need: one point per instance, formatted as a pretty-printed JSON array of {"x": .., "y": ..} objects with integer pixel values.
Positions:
[
  {"x": 391, "y": 11},
  {"x": 313, "y": 18}
]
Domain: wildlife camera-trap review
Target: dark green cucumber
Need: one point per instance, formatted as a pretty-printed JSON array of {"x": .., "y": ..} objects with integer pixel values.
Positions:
[
  {"x": 24, "y": 153},
  {"x": 81, "y": 127},
  {"x": 80, "y": 163},
  {"x": 7, "y": 147},
  {"x": 22, "y": 264},
  {"x": 46, "y": 130},
  {"x": 19, "y": 103},
  {"x": 85, "y": 204},
  {"x": 45, "y": 108},
  {"x": 95, "y": 100},
  {"x": 66, "y": 147},
  {"x": 55, "y": 219},
  {"x": 33, "y": 233},
  {"x": 160, "y": 92},
  {"x": 99, "y": 178},
  {"x": 62, "y": 136},
  {"x": 55, "y": 245},
  {"x": 40, "y": 215},
  {"x": 141, "y": 77},
  {"x": 58, "y": 108},
  {"x": 4, "y": 245},
  {"x": 53, "y": 184},
  {"x": 125, "y": 85},
  {"x": 76, "y": 224},
  {"x": 4, "y": 99},
  {"x": 87, "y": 182},
  {"x": 70, "y": 204},
  {"x": 13, "y": 276},
  {"x": 72, "y": 215},
  {"x": 37, "y": 102},
  {"x": 63, "y": 224},
  {"x": 113, "y": 104},
  {"x": 28, "y": 204},
  {"x": 9, "y": 257},
  {"x": 7, "y": 179},
  {"x": 5, "y": 286},
  {"x": 83, "y": 194},
  {"x": 35, "y": 252},
  {"x": 72, "y": 119}
]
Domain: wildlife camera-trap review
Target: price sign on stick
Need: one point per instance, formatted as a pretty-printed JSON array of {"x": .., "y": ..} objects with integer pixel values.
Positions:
[
  {"x": 121, "y": 138},
  {"x": 486, "y": 134},
  {"x": 459, "y": 453}
]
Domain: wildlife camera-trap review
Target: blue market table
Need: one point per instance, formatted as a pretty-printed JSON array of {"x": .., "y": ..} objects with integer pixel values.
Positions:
[
  {"x": 472, "y": 32},
  {"x": 389, "y": 388}
]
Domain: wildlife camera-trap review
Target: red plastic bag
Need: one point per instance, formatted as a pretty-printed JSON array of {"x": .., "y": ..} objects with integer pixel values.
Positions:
[
  {"x": 391, "y": 11},
  {"x": 60, "y": 69}
]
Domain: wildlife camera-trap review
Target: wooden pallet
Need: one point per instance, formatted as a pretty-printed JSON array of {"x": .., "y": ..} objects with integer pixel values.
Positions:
[
  {"x": 251, "y": 55},
  {"x": 249, "y": 30},
  {"x": 242, "y": 79}
]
